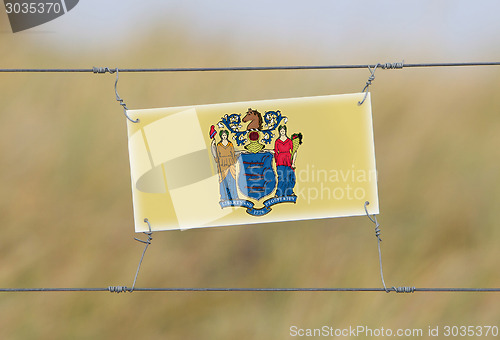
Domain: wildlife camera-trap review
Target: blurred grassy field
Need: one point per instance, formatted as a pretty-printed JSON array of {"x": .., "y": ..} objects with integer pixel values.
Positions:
[{"x": 66, "y": 208}]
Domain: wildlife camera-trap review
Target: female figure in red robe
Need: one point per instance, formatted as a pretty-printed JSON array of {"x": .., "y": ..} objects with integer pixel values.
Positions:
[{"x": 283, "y": 156}]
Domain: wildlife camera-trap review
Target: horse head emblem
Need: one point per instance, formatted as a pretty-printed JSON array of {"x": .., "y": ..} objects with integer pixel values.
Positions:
[{"x": 255, "y": 119}]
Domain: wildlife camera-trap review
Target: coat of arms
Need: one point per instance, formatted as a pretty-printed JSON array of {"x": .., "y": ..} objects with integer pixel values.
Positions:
[{"x": 253, "y": 170}]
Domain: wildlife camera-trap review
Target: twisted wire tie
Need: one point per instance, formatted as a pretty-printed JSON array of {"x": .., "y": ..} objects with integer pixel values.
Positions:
[
  {"x": 122, "y": 289},
  {"x": 368, "y": 83},
  {"x": 148, "y": 233},
  {"x": 118, "y": 289},
  {"x": 385, "y": 66},
  {"x": 147, "y": 243},
  {"x": 374, "y": 220},
  {"x": 102, "y": 70},
  {"x": 119, "y": 100},
  {"x": 377, "y": 235},
  {"x": 392, "y": 66},
  {"x": 403, "y": 289}
]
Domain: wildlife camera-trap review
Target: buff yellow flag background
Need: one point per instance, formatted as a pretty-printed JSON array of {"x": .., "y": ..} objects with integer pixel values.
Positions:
[{"x": 185, "y": 176}]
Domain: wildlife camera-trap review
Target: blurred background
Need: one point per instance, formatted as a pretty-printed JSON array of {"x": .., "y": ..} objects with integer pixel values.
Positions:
[{"x": 66, "y": 206}]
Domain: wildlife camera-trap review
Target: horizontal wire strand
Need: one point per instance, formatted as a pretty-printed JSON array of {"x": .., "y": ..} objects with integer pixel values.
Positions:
[
  {"x": 125, "y": 289},
  {"x": 248, "y": 68}
]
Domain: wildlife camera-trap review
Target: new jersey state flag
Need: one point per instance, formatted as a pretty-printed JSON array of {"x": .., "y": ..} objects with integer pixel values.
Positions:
[{"x": 252, "y": 162}]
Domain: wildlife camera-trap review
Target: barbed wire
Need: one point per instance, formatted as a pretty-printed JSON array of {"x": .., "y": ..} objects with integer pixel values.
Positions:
[
  {"x": 398, "y": 65},
  {"x": 121, "y": 289}
]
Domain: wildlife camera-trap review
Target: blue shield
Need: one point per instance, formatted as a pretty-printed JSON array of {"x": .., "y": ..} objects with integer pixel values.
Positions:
[{"x": 256, "y": 178}]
